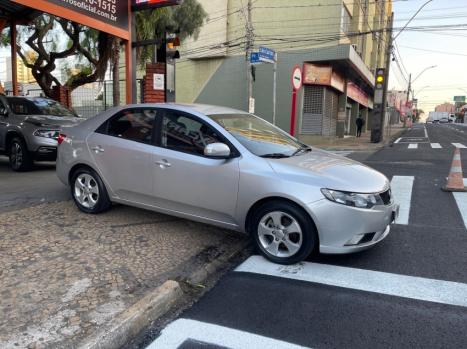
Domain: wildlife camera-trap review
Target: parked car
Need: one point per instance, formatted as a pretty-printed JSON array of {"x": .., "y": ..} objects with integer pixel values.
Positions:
[
  {"x": 227, "y": 168},
  {"x": 29, "y": 129}
]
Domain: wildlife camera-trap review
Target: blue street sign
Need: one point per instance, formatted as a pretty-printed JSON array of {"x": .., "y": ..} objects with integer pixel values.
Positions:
[
  {"x": 255, "y": 59},
  {"x": 267, "y": 55}
]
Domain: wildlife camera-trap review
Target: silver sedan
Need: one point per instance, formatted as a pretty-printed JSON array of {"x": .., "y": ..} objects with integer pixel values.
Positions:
[{"x": 227, "y": 168}]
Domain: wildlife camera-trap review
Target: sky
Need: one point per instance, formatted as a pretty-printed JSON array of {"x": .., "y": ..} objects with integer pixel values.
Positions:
[{"x": 449, "y": 77}]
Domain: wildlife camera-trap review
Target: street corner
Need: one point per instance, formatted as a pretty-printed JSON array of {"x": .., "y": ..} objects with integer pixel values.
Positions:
[{"x": 66, "y": 276}]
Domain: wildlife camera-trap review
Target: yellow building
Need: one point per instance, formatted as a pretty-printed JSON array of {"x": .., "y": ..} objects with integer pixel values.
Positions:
[
  {"x": 24, "y": 73},
  {"x": 338, "y": 43}
]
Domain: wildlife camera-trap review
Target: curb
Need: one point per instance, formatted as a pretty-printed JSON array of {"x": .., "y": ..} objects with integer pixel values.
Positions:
[
  {"x": 203, "y": 273},
  {"x": 134, "y": 320},
  {"x": 128, "y": 324}
]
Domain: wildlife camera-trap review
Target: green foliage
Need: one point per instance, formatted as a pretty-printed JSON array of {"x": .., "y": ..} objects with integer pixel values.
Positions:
[{"x": 186, "y": 19}]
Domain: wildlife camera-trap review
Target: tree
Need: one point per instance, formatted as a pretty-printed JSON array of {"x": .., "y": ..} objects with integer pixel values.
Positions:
[
  {"x": 45, "y": 37},
  {"x": 185, "y": 19},
  {"x": 53, "y": 39}
]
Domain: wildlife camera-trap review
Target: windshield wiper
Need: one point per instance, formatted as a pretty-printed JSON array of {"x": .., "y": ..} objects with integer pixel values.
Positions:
[
  {"x": 275, "y": 156},
  {"x": 304, "y": 149}
]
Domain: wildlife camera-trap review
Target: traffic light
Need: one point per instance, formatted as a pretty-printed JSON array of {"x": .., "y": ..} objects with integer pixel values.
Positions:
[
  {"x": 380, "y": 78},
  {"x": 172, "y": 43}
]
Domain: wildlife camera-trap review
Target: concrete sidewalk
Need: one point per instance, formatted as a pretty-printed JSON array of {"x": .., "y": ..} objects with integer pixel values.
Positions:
[{"x": 360, "y": 144}]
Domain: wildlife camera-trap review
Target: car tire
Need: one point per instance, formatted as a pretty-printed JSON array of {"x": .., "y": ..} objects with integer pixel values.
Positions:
[
  {"x": 283, "y": 232},
  {"x": 89, "y": 192},
  {"x": 19, "y": 156}
]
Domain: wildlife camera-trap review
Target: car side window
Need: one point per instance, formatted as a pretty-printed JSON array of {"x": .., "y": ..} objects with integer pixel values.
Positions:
[
  {"x": 20, "y": 107},
  {"x": 184, "y": 133},
  {"x": 134, "y": 125}
]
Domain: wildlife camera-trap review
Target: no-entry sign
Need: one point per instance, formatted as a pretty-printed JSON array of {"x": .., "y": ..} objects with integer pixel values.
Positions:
[
  {"x": 297, "y": 82},
  {"x": 297, "y": 78}
]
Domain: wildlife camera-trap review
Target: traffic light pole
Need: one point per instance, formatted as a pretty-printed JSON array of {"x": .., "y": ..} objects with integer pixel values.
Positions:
[{"x": 381, "y": 92}]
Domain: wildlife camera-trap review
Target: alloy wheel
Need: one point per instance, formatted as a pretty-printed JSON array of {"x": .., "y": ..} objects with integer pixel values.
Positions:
[
  {"x": 280, "y": 234},
  {"x": 86, "y": 191}
]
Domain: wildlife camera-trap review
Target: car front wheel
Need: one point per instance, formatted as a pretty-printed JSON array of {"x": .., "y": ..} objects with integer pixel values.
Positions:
[
  {"x": 284, "y": 233},
  {"x": 19, "y": 156},
  {"x": 89, "y": 192}
]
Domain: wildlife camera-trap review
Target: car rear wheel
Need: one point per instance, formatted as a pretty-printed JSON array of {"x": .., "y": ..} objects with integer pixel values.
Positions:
[
  {"x": 284, "y": 233},
  {"x": 89, "y": 192},
  {"x": 20, "y": 158}
]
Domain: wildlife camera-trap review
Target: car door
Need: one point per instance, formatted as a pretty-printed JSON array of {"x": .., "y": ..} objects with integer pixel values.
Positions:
[
  {"x": 187, "y": 181},
  {"x": 122, "y": 149}
]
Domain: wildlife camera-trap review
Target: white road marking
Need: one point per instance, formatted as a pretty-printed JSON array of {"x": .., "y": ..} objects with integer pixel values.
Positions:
[
  {"x": 401, "y": 187},
  {"x": 426, "y": 132},
  {"x": 461, "y": 201},
  {"x": 436, "y": 145},
  {"x": 459, "y": 145},
  {"x": 398, "y": 140},
  {"x": 413, "y": 146},
  {"x": 430, "y": 290},
  {"x": 182, "y": 330}
]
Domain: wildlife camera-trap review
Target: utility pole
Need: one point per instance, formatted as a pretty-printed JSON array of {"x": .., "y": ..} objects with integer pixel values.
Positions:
[
  {"x": 410, "y": 87},
  {"x": 249, "y": 50},
  {"x": 388, "y": 67}
]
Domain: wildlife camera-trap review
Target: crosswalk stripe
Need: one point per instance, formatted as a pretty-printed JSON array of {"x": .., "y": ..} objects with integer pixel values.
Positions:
[
  {"x": 436, "y": 146},
  {"x": 461, "y": 201},
  {"x": 413, "y": 146},
  {"x": 401, "y": 187},
  {"x": 459, "y": 145},
  {"x": 182, "y": 331},
  {"x": 430, "y": 290}
]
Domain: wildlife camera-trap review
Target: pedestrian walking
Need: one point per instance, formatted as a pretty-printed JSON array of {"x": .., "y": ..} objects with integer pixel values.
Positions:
[{"x": 360, "y": 123}]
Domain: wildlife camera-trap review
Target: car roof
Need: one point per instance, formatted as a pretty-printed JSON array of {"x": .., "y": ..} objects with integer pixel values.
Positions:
[{"x": 205, "y": 109}]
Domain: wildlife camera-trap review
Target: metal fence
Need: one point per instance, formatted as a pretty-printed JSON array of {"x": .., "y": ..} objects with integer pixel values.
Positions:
[{"x": 90, "y": 99}]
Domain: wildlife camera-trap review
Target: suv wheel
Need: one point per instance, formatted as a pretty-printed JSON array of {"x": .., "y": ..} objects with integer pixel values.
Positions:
[
  {"x": 283, "y": 233},
  {"x": 89, "y": 192},
  {"x": 20, "y": 158}
]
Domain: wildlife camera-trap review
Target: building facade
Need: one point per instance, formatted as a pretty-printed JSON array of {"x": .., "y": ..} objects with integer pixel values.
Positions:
[
  {"x": 339, "y": 46},
  {"x": 446, "y": 107}
]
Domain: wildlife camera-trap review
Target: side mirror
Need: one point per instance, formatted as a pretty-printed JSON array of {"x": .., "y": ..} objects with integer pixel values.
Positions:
[{"x": 217, "y": 151}]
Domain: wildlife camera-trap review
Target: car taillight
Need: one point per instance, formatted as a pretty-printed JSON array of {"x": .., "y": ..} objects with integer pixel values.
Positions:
[{"x": 61, "y": 138}]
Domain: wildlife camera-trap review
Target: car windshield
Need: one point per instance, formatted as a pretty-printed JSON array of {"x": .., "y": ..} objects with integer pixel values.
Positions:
[
  {"x": 51, "y": 107},
  {"x": 258, "y": 136}
]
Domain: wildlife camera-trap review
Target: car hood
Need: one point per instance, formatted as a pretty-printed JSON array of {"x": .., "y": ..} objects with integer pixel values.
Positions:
[
  {"x": 53, "y": 121},
  {"x": 327, "y": 170}
]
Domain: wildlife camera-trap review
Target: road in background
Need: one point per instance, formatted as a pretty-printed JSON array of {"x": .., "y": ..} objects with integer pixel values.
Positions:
[{"x": 23, "y": 189}]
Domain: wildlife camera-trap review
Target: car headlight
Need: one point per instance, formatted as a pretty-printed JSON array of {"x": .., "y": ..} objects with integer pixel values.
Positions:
[
  {"x": 352, "y": 199},
  {"x": 47, "y": 133}
]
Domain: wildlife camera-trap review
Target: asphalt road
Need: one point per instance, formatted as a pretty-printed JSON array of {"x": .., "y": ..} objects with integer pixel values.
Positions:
[
  {"x": 19, "y": 190},
  {"x": 410, "y": 291}
]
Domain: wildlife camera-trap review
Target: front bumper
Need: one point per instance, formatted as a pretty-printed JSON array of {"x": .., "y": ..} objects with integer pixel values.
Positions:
[
  {"x": 44, "y": 149},
  {"x": 344, "y": 229}
]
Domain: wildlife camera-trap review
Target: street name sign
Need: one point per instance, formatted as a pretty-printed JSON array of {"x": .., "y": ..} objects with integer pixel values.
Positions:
[{"x": 267, "y": 55}]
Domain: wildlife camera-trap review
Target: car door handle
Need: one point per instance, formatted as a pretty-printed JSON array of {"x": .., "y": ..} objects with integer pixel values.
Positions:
[
  {"x": 163, "y": 163},
  {"x": 98, "y": 149}
]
